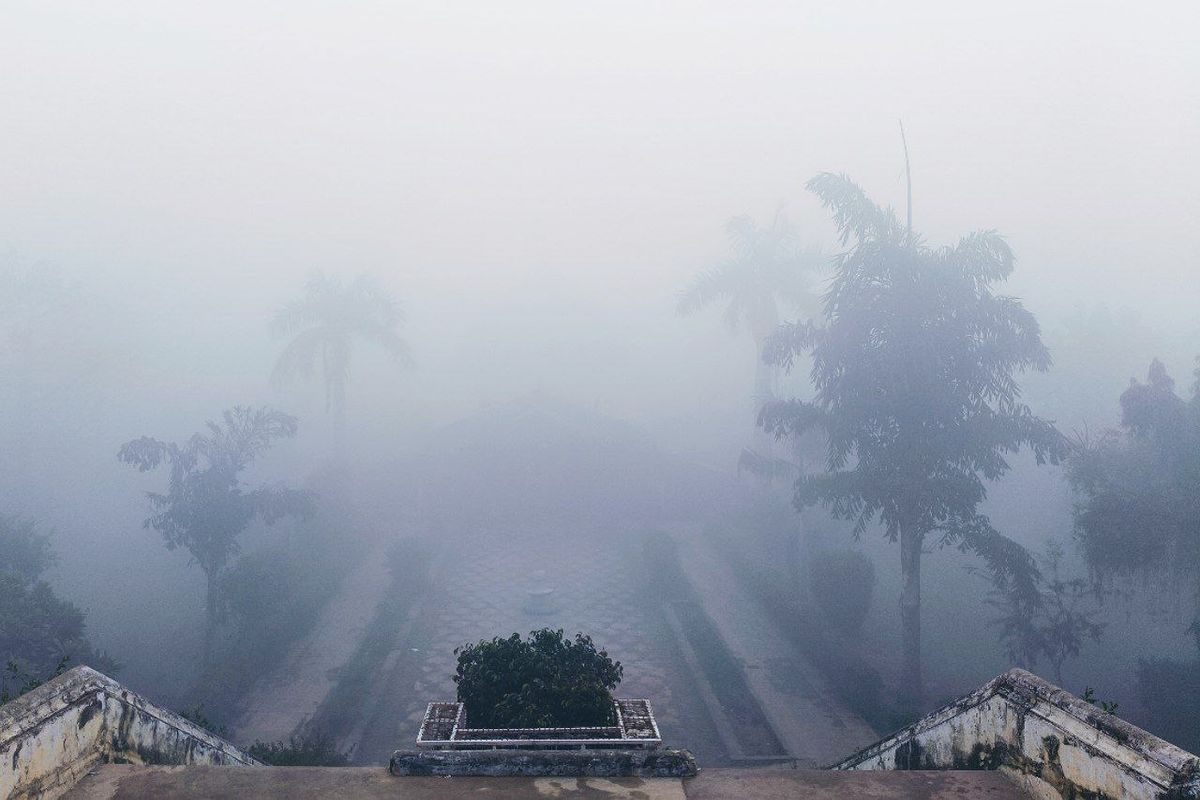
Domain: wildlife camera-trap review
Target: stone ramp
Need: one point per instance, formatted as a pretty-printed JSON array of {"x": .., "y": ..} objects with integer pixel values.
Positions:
[
  {"x": 122, "y": 782},
  {"x": 281, "y": 701},
  {"x": 811, "y": 724}
]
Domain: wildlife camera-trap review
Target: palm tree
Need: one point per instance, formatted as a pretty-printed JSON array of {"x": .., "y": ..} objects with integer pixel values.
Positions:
[
  {"x": 322, "y": 327},
  {"x": 768, "y": 266}
]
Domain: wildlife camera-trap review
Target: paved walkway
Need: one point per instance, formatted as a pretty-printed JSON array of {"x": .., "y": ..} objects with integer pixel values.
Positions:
[
  {"x": 289, "y": 695},
  {"x": 481, "y": 589},
  {"x": 811, "y": 724}
]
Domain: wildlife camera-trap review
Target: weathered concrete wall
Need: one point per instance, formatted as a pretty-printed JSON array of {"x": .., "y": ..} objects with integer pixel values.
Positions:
[
  {"x": 52, "y": 736},
  {"x": 650, "y": 763},
  {"x": 1018, "y": 722}
]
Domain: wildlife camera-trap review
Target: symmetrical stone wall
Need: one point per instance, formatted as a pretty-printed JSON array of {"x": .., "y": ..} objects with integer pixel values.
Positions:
[
  {"x": 1062, "y": 745},
  {"x": 52, "y": 736}
]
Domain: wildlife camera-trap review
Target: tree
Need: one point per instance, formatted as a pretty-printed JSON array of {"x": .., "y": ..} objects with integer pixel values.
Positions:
[
  {"x": 768, "y": 266},
  {"x": 547, "y": 681},
  {"x": 913, "y": 369},
  {"x": 322, "y": 327},
  {"x": 1138, "y": 515},
  {"x": 205, "y": 508},
  {"x": 1062, "y": 619},
  {"x": 40, "y": 633},
  {"x": 1139, "y": 487}
]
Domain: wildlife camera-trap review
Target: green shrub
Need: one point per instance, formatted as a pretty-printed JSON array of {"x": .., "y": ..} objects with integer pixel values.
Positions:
[
  {"x": 310, "y": 750},
  {"x": 1170, "y": 692},
  {"x": 843, "y": 584},
  {"x": 546, "y": 681}
]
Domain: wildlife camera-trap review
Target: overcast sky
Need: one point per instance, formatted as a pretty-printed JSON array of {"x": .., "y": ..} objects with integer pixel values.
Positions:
[{"x": 536, "y": 180}]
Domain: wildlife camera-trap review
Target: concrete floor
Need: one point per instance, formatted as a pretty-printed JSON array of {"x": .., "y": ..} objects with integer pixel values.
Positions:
[{"x": 120, "y": 782}]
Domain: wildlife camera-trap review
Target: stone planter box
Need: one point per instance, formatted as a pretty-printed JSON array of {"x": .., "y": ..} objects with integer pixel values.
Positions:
[{"x": 445, "y": 728}]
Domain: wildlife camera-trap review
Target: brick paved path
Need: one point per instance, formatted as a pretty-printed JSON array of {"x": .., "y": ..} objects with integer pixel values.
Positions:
[{"x": 482, "y": 582}]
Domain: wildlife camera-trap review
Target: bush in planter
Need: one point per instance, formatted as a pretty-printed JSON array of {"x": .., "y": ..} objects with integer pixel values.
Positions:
[
  {"x": 843, "y": 583},
  {"x": 545, "y": 681}
]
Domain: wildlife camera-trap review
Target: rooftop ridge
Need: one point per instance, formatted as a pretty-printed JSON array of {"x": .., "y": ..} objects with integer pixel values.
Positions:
[
  {"x": 1018, "y": 721},
  {"x": 52, "y": 735}
]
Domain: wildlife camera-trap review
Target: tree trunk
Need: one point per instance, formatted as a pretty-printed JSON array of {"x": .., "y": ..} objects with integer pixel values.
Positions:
[
  {"x": 337, "y": 393},
  {"x": 210, "y": 616},
  {"x": 764, "y": 392},
  {"x": 912, "y": 695},
  {"x": 793, "y": 565}
]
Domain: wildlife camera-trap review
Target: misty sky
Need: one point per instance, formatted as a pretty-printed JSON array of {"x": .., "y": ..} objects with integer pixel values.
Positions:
[{"x": 536, "y": 180}]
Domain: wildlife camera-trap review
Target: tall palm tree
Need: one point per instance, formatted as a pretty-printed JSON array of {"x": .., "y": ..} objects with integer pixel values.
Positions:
[
  {"x": 322, "y": 327},
  {"x": 768, "y": 266}
]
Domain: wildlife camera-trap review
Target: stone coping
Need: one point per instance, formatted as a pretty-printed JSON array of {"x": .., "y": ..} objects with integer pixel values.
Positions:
[
  {"x": 52, "y": 735},
  {"x": 1021, "y": 723}
]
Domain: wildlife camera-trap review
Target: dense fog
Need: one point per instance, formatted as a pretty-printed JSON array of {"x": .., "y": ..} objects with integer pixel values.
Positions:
[{"x": 533, "y": 186}]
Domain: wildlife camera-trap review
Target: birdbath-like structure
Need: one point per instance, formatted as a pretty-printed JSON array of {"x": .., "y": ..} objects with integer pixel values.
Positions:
[{"x": 540, "y": 599}]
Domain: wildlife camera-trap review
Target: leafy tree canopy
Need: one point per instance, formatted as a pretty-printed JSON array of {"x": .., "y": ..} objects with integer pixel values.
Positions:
[
  {"x": 1139, "y": 487},
  {"x": 768, "y": 265},
  {"x": 544, "y": 681},
  {"x": 322, "y": 326},
  {"x": 205, "y": 508},
  {"x": 39, "y": 631},
  {"x": 914, "y": 370}
]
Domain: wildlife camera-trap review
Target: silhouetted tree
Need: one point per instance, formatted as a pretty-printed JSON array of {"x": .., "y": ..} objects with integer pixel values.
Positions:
[
  {"x": 768, "y": 266},
  {"x": 913, "y": 369},
  {"x": 1139, "y": 487},
  {"x": 40, "y": 633},
  {"x": 205, "y": 508},
  {"x": 322, "y": 327},
  {"x": 1138, "y": 515},
  {"x": 1054, "y": 628}
]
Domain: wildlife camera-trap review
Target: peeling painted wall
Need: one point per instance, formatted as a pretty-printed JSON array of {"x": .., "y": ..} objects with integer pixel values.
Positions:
[
  {"x": 1067, "y": 747},
  {"x": 52, "y": 736}
]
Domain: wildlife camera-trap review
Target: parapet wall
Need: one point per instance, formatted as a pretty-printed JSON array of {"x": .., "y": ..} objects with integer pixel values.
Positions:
[
  {"x": 1018, "y": 722},
  {"x": 52, "y": 736}
]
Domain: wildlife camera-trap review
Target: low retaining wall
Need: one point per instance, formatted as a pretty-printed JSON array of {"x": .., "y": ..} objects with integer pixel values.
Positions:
[
  {"x": 658, "y": 763},
  {"x": 52, "y": 736},
  {"x": 1018, "y": 722}
]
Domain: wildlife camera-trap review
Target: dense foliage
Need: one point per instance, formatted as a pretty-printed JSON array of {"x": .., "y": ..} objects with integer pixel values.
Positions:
[
  {"x": 40, "y": 633},
  {"x": 205, "y": 508},
  {"x": 914, "y": 372},
  {"x": 309, "y": 750},
  {"x": 1139, "y": 487},
  {"x": 1139, "y": 514},
  {"x": 544, "y": 681},
  {"x": 843, "y": 584},
  {"x": 1055, "y": 627}
]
